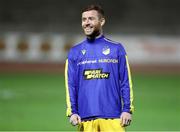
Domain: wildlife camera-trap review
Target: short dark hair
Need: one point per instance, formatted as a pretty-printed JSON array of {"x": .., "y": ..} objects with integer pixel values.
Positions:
[{"x": 98, "y": 8}]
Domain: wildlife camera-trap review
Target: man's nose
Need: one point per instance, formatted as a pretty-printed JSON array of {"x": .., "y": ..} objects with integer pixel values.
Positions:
[{"x": 87, "y": 21}]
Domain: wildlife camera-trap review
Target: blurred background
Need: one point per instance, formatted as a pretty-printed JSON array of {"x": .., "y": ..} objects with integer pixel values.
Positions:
[{"x": 35, "y": 37}]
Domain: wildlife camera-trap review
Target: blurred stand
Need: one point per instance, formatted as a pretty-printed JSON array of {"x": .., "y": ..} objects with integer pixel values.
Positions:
[{"x": 48, "y": 52}]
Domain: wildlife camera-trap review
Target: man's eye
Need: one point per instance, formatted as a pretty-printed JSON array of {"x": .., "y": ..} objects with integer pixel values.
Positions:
[
  {"x": 92, "y": 18},
  {"x": 83, "y": 19}
]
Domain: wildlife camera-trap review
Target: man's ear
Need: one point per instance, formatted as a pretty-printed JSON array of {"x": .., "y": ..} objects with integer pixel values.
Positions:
[{"x": 103, "y": 21}]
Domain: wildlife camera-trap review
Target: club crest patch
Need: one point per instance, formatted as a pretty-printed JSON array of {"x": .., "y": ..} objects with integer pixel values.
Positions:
[{"x": 106, "y": 50}]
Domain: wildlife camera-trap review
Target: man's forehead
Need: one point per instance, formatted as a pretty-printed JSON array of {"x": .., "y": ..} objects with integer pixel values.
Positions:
[{"x": 90, "y": 13}]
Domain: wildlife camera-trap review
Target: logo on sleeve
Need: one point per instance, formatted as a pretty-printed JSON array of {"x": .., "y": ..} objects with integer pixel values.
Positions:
[{"x": 95, "y": 74}]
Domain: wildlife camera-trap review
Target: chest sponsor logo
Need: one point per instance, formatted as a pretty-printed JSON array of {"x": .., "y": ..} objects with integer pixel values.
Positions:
[
  {"x": 94, "y": 61},
  {"x": 95, "y": 74}
]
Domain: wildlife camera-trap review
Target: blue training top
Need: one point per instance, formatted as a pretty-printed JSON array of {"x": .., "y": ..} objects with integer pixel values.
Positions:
[{"x": 98, "y": 80}]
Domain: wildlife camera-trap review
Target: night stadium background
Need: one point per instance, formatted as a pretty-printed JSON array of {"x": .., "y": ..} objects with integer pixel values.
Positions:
[{"x": 35, "y": 37}]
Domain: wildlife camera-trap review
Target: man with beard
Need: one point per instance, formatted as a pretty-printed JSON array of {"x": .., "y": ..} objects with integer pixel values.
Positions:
[{"x": 99, "y": 92}]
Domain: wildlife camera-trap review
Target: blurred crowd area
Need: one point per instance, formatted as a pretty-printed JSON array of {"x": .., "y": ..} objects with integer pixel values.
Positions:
[
  {"x": 49, "y": 51},
  {"x": 38, "y": 34}
]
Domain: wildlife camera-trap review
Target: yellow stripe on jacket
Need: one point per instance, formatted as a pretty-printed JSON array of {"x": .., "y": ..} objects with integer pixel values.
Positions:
[
  {"x": 68, "y": 103},
  {"x": 130, "y": 85}
]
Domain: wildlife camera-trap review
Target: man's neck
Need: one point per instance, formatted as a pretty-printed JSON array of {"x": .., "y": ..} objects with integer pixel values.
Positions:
[{"x": 97, "y": 35}]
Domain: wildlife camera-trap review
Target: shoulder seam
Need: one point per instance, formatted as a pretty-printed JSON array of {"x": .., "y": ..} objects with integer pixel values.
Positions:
[{"x": 111, "y": 41}]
